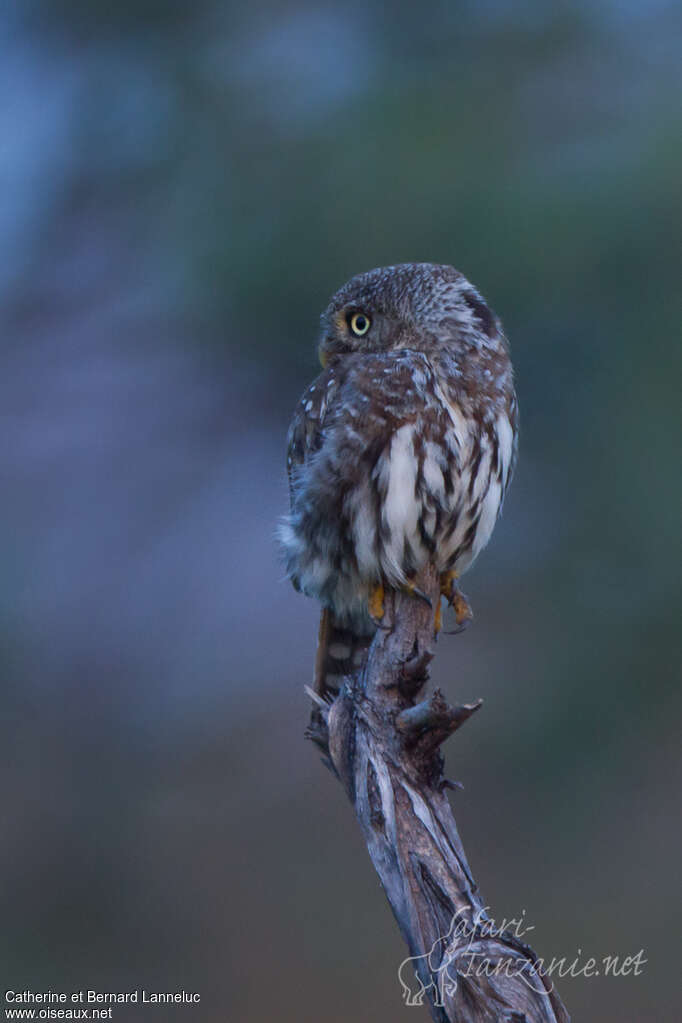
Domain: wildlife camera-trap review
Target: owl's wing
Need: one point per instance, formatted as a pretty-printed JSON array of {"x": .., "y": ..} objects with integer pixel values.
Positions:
[
  {"x": 305, "y": 438},
  {"x": 341, "y": 428},
  {"x": 306, "y": 431}
]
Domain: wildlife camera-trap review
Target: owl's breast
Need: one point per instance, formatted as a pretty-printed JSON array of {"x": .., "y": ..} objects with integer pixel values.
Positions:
[
  {"x": 401, "y": 474},
  {"x": 434, "y": 493}
]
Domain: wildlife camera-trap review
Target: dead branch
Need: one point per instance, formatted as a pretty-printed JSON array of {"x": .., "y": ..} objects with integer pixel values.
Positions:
[{"x": 383, "y": 743}]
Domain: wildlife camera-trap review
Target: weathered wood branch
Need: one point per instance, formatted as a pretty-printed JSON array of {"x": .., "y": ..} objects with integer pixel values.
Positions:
[{"x": 383, "y": 744}]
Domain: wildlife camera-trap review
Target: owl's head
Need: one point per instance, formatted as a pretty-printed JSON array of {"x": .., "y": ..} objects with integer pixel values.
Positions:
[{"x": 422, "y": 306}]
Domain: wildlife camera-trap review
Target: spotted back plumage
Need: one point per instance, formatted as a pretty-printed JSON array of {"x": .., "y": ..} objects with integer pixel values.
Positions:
[{"x": 400, "y": 452}]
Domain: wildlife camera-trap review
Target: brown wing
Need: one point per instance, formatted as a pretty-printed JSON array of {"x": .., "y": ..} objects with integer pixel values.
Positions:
[
  {"x": 359, "y": 405},
  {"x": 306, "y": 431},
  {"x": 338, "y": 649}
]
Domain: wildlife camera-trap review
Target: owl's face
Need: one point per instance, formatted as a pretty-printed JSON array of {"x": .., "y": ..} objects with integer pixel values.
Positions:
[{"x": 413, "y": 305}]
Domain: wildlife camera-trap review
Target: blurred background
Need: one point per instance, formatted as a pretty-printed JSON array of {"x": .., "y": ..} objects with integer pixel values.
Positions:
[{"x": 182, "y": 188}]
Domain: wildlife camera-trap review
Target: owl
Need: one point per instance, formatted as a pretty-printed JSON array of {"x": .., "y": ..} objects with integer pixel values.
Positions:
[{"x": 399, "y": 453}]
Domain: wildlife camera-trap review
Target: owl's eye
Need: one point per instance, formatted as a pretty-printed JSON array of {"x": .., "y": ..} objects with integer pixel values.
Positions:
[{"x": 359, "y": 324}]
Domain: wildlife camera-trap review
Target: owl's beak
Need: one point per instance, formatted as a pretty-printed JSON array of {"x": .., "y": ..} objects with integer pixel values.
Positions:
[{"x": 328, "y": 349}]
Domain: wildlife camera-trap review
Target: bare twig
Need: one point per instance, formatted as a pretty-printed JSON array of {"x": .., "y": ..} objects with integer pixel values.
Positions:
[{"x": 383, "y": 745}]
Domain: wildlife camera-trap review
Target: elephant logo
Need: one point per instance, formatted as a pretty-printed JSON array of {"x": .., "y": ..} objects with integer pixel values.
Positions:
[{"x": 432, "y": 969}]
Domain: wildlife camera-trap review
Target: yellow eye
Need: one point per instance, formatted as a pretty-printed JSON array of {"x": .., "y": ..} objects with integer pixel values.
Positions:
[{"x": 359, "y": 324}]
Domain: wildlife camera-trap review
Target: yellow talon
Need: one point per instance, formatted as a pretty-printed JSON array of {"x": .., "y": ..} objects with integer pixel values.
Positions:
[
  {"x": 455, "y": 598},
  {"x": 447, "y": 582},
  {"x": 412, "y": 590},
  {"x": 376, "y": 602},
  {"x": 463, "y": 612},
  {"x": 438, "y": 623}
]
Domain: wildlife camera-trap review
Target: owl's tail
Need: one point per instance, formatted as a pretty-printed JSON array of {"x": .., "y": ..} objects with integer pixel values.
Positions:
[{"x": 340, "y": 652}]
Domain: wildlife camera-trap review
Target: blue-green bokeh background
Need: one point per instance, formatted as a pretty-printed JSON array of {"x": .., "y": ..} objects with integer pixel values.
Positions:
[{"x": 181, "y": 188}]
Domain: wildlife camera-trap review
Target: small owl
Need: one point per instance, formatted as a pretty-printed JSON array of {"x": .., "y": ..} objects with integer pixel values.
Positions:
[{"x": 400, "y": 452}]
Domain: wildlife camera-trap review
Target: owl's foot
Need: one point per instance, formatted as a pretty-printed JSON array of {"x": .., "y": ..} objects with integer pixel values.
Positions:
[
  {"x": 456, "y": 599},
  {"x": 448, "y": 585},
  {"x": 375, "y": 604},
  {"x": 438, "y": 620},
  {"x": 413, "y": 591}
]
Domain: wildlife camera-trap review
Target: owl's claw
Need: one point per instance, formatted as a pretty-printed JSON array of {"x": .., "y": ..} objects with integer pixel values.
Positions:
[
  {"x": 414, "y": 591},
  {"x": 375, "y": 605},
  {"x": 448, "y": 589},
  {"x": 375, "y": 602},
  {"x": 457, "y": 601},
  {"x": 456, "y": 631},
  {"x": 438, "y": 621},
  {"x": 448, "y": 584},
  {"x": 462, "y": 608}
]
